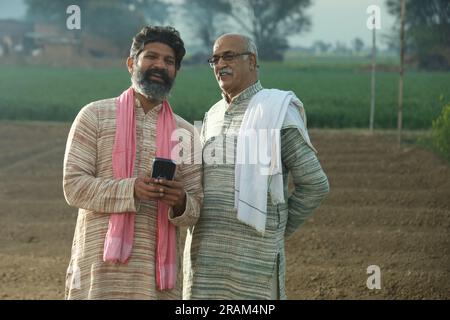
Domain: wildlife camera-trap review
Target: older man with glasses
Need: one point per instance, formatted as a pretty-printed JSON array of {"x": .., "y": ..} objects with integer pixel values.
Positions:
[{"x": 252, "y": 140}]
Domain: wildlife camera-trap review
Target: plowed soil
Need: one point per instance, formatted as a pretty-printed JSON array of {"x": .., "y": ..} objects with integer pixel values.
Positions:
[{"x": 388, "y": 207}]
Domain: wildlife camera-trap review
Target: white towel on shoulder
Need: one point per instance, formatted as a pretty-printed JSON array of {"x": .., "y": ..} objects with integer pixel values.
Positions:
[{"x": 258, "y": 165}]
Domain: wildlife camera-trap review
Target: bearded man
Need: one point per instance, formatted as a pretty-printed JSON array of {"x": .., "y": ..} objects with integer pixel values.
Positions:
[{"x": 126, "y": 243}]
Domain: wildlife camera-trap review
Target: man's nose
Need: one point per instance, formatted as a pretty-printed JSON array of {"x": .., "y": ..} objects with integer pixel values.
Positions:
[
  {"x": 160, "y": 63},
  {"x": 221, "y": 63}
]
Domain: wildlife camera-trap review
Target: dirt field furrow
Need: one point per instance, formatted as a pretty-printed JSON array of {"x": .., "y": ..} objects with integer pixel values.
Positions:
[{"x": 378, "y": 216}]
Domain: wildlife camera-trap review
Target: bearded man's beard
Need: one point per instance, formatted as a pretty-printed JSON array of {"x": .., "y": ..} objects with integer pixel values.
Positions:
[{"x": 150, "y": 88}]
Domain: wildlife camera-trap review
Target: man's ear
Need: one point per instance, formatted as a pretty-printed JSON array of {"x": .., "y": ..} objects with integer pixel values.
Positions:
[
  {"x": 130, "y": 64},
  {"x": 253, "y": 63}
]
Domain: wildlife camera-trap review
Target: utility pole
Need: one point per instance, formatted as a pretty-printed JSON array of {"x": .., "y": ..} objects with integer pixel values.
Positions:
[
  {"x": 372, "y": 96},
  {"x": 400, "y": 83}
]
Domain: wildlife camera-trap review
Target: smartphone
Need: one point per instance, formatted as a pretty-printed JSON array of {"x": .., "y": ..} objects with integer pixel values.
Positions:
[{"x": 163, "y": 168}]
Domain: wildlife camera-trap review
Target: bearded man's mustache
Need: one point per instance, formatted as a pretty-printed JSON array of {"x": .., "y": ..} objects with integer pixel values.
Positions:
[{"x": 158, "y": 72}]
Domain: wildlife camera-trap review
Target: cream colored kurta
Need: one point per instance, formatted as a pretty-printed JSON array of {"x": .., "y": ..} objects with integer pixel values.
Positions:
[{"x": 89, "y": 185}]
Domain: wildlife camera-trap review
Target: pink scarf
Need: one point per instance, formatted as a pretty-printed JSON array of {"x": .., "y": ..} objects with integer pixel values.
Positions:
[{"x": 120, "y": 235}]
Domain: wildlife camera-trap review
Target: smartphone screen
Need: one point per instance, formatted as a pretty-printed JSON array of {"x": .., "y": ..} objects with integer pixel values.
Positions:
[{"x": 163, "y": 168}]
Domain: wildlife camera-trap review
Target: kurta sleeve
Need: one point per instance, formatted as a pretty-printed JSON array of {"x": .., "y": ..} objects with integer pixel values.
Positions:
[
  {"x": 82, "y": 189},
  {"x": 310, "y": 181},
  {"x": 191, "y": 176}
]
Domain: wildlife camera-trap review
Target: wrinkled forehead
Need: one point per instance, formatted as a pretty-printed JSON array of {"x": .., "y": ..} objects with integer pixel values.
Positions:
[{"x": 233, "y": 43}]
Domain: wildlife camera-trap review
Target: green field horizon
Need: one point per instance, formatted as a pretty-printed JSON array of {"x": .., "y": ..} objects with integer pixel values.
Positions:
[{"x": 335, "y": 91}]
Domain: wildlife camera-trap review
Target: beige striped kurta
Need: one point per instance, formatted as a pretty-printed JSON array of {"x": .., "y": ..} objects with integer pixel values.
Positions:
[
  {"x": 89, "y": 185},
  {"x": 225, "y": 258}
]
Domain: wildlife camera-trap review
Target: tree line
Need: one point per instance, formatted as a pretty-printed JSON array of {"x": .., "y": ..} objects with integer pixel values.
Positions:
[
  {"x": 427, "y": 31},
  {"x": 268, "y": 22}
]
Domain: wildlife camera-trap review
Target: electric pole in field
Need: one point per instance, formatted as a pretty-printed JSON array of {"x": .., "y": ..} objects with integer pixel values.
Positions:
[
  {"x": 372, "y": 95},
  {"x": 400, "y": 83}
]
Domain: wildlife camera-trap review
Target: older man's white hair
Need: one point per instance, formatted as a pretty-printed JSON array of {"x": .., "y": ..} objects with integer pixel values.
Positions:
[{"x": 250, "y": 44}]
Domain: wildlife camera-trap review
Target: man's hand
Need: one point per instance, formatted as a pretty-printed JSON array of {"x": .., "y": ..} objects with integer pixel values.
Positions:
[
  {"x": 173, "y": 195},
  {"x": 146, "y": 189},
  {"x": 170, "y": 192}
]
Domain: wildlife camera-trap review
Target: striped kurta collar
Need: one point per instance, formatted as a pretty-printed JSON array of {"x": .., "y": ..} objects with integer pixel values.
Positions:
[{"x": 245, "y": 94}]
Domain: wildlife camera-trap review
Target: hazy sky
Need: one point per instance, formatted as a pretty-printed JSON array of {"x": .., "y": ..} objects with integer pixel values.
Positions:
[
  {"x": 342, "y": 20},
  {"x": 11, "y": 9},
  {"x": 332, "y": 20}
]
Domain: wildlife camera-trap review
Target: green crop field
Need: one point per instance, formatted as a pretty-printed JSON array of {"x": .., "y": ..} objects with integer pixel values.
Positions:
[{"x": 335, "y": 91}]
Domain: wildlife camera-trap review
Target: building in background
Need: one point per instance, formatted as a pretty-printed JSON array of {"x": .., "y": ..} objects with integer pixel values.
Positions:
[{"x": 46, "y": 43}]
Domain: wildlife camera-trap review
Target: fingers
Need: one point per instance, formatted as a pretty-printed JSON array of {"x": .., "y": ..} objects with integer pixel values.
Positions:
[
  {"x": 169, "y": 200},
  {"x": 171, "y": 187},
  {"x": 148, "y": 183},
  {"x": 148, "y": 195},
  {"x": 170, "y": 183},
  {"x": 145, "y": 190},
  {"x": 146, "y": 180},
  {"x": 170, "y": 192}
]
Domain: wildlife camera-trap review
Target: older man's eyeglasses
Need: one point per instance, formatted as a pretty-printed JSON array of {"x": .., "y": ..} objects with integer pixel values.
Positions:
[{"x": 227, "y": 56}]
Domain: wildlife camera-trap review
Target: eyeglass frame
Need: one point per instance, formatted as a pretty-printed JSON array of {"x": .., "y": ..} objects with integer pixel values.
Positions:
[{"x": 230, "y": 57}]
